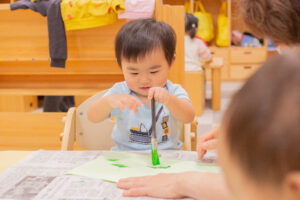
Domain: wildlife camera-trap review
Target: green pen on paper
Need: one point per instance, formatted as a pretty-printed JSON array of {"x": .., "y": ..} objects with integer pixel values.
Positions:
[{"x": 155, "y": 157}]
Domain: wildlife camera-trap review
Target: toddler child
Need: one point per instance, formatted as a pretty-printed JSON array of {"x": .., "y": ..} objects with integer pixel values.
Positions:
[{"x": 145, "y": 51}]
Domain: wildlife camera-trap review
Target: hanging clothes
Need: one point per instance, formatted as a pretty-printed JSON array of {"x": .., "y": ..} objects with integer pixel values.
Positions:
[
  {"x": 82, "y": 14},
  {"x": 56, "y": 29},
  {"x": 58, "y": 103},
  {"x": 138, "y": 9}
]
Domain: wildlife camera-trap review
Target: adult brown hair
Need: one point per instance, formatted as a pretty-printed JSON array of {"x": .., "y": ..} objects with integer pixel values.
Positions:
[
  {"x": 262, "y": 122},
  {"x": 278, "y": 19}
]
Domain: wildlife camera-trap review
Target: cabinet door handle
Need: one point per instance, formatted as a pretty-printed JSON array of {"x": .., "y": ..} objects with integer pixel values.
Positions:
[
  {"x": 247, "y": 67},
  {"x": 248, "y": 52}
]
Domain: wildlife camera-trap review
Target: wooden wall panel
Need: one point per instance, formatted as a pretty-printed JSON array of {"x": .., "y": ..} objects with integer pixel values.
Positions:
[
  {"x": 30, "y": 131},
  {"x": 19, "y": 103}
]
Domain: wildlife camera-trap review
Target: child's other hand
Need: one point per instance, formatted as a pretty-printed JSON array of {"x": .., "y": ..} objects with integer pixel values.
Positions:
[
  {"x": 123, "y": 100},
  {"x": 161, "y": 95}
]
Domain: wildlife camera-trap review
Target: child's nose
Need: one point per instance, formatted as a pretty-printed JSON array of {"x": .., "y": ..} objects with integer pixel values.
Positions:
[{"x": 145, "y": 79}]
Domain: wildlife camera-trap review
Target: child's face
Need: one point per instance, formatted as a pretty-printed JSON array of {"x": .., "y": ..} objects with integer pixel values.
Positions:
[
  {"x": 150, "y": 71},
  {"x": 241, "y": 185}
]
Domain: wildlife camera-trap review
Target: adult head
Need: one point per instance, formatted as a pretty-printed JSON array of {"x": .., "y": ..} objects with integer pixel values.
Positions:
[{"x": 260, "y": 133}]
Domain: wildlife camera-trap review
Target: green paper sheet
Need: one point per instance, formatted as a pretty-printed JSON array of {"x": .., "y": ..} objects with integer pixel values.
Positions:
[{"x": 112, "y": 166}]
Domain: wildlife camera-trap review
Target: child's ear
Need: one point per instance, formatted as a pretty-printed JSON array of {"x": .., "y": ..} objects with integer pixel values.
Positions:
[
  {"x": 292, "y": 184},
  {"x": 173, "y": 60}
]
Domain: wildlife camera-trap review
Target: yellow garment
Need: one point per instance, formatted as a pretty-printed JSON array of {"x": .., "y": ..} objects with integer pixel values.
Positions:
[{"x": 82, "y": 14}]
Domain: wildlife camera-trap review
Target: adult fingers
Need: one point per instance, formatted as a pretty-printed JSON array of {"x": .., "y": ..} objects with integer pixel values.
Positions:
[
  {"x": 136, "y": 192},
  {"x": 211, "y": 144},
  {"x": 128, "y": 183},
  {"x": 201, "y": 152}
]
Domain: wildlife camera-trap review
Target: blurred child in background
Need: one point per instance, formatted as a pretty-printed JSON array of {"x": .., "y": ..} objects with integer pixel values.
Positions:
[{"x": 195, "y": 49}]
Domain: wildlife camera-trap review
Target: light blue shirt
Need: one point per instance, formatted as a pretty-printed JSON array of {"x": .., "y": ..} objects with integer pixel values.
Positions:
[{"x": 131, "y": 130}]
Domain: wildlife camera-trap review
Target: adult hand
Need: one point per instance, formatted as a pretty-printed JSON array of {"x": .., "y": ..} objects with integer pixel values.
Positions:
[
  {"x": 207, "y": 141},
  {"x": 197, "y": 185},
  {"x": 159, "y": 186}
]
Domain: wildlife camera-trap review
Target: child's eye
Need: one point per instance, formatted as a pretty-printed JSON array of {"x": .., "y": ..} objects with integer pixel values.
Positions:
[
  {"x": 154, "y": 72},
  {"x": 134, "y": 74}
]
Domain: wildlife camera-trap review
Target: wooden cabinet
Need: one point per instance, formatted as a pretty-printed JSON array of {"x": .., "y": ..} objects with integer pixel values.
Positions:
[
  {"x": 242, "y": 71},
  {"x": 247, "y": 55},
  {"x": 244, "y": 61},
  {"x": 239, "y": 62}
]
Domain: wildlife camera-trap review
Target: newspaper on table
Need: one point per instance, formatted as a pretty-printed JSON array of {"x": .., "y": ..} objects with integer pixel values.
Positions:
[{"x": 42, "y": 175}]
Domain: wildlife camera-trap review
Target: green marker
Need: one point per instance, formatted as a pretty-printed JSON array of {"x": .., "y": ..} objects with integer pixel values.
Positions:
[{"x": 155, "y": 157}]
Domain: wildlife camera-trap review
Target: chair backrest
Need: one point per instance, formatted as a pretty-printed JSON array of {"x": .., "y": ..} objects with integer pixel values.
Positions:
[{"x": 92, "y": 135}]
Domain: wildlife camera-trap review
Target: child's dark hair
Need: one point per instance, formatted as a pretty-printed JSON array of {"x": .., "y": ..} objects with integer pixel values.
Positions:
[
  {"x": 278, "y": 19},
  {"x": 191, "y": 24},
  {"x": 262, "y": 123},
  {"x": 139, "y": 37}
]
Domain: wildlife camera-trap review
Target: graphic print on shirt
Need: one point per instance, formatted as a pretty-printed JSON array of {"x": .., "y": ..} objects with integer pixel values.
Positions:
[
  {"x": 165, "y": 127},
  {"x": 140, "y": 134},
  {"x": 143, "y": 135}
]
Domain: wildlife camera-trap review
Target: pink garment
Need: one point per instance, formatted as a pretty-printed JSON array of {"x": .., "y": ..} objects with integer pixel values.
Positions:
[{"x": 137, "y": 9}]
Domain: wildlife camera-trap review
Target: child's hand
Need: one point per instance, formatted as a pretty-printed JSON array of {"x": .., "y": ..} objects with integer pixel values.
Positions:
[
  {"x": 204, "y": 53},
  {"x": 122, "y": 100},
  {"x": 161, "y": 95}
]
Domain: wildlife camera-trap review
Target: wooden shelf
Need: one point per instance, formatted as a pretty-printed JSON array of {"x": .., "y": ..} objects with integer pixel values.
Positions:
[
  {"x": 24, "y": 46},
  {"x": 48, "y": 59},
  {"x": 46, "y": 92},
  {"x": 91, "y": 65},
  {"x": 4, "y": 6},
  {"x": 73, "y": 67}
]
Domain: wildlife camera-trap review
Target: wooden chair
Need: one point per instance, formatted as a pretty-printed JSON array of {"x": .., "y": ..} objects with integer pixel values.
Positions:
[
  {"x": 97, "y": 136},
  {"x": 215, "y": 65},
  {"x": 87, "y": 135}
]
